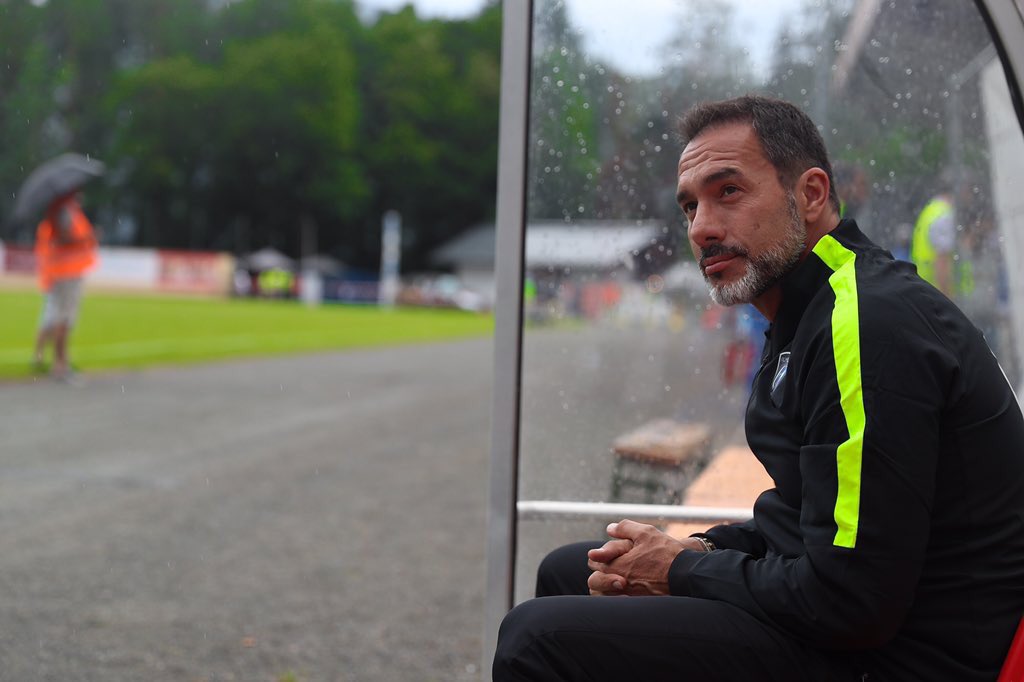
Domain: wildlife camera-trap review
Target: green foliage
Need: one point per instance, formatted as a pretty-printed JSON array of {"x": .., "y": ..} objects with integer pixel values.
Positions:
[
  {"x": 229, "y": 126},
  {"x": 287, "y": 108},
  {"x": 564, "y": 105},
  {"x": 27, "y": 82},
  {"x": 603, "y": 144},
  {"x": 431, "y": 97},
  {"x": 907, "y": 152},
  {"x": 26, "y": 104},
  {"x": 266, "y": 135}
]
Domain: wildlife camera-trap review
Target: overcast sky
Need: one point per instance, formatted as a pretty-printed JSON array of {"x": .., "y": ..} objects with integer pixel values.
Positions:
[
  {"x": 431, "y": 8},
  {"x": 628, "y": 33}
]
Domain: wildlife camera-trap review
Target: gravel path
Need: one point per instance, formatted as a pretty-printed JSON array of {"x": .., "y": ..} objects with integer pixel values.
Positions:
[
  {"x": 304, "y": 519},
  {"x": 294, "y": 519}
]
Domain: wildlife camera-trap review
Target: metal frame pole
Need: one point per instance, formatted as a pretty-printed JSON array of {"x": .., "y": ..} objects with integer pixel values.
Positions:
[{"x": 511, "y": 215}]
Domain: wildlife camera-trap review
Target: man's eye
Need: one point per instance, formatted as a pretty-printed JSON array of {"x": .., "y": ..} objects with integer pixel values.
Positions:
[
  {"x": 730, "y": 189},
  {"x": 689, "y": 207}
]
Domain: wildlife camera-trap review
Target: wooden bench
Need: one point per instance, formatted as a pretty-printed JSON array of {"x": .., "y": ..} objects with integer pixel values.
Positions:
[
  {"x": 657, "y": 458},
  {"x": 733, "y": 478}
]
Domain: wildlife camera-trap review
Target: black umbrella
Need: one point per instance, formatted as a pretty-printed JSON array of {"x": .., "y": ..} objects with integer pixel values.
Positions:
[{"x": 55, "y": 178}]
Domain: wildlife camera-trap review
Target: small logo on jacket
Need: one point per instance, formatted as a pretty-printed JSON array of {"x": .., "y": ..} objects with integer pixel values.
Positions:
[{"x": 780, "y": 370}]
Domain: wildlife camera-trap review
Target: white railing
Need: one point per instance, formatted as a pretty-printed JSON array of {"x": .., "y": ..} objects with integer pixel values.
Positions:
[{"x": 528, "y": 510}]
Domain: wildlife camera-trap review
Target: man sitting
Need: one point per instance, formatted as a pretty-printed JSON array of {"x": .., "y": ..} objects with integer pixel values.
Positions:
[{"x": 892, "y": 545}]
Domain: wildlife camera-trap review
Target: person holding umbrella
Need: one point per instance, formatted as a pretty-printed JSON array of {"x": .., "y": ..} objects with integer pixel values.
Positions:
[{"x": 65, "y": 249}]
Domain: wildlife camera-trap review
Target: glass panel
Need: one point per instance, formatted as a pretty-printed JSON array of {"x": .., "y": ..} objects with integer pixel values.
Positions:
[
  {"x": 620, "y": 334},
  {"x": 227, "y": 521}
]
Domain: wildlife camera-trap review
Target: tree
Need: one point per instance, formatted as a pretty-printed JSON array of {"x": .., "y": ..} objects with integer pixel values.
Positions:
[
  {"x": 229, "y": 125},
  {"x": 28, "y": 83},
  {"x": 430, "y": 129},
  {"x": 565, "y": 102},
  {"x": 58, "y": 75},
  {"x": 705, "y": 60},
  {"x": 266, "y": 139}
]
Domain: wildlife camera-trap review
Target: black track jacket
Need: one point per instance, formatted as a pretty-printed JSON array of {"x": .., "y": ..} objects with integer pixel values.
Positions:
[{"x": 895, "y": 531}]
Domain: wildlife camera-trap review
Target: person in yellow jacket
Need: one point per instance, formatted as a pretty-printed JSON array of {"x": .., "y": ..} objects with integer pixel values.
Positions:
[
  {"x": 933, "y": 243},
  {"x": 65, "y": 250}
]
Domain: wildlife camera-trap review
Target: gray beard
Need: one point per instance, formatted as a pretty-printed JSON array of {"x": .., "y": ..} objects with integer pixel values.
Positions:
[{"x": 766, "y": 269}]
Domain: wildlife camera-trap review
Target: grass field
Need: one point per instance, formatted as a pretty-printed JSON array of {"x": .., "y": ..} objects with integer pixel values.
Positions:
[{"x": 131, "y": 331}]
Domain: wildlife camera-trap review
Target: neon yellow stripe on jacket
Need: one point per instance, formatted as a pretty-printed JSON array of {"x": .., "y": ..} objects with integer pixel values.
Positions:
[{"x": 846, "y": 349}]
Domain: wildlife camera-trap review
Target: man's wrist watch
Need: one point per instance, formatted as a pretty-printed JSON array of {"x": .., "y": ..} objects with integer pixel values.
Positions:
[{"x": 705, "y": 544}]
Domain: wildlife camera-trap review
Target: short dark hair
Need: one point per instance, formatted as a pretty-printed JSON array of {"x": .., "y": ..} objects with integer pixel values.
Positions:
[{"x": 788, "y": 136}]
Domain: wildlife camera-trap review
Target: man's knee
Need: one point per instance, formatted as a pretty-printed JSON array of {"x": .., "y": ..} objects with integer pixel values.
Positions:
[
  {"x": 528, "y": 646},
  {"x": 517, "y": 632}
]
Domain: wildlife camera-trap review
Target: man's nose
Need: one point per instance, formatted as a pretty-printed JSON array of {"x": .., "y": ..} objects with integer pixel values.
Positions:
[{"x": 704, "y": 229}]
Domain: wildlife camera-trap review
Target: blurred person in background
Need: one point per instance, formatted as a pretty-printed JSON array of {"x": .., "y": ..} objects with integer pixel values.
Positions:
[
  {"x": 934, "y": 241},
  {"x": 852, "y": 189},
  {"x": 276, "y": 282},
  {"x": 65, "y": 250}
]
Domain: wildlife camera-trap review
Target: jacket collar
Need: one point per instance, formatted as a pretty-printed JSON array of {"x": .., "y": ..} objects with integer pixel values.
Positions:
[{"x": 804, "y": 281}]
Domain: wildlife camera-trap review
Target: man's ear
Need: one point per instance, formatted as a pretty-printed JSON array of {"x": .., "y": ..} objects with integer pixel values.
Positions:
[{"x": 812, "y": 189}]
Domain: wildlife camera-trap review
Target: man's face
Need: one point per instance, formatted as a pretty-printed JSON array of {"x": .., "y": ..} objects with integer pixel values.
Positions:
[{"x": 744, "y": 226}]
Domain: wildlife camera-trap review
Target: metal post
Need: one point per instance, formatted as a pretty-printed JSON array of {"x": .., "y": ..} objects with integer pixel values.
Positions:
[
  {"x": 390, "y": 258},
  {"x": 310, "y": 285},
  {"x": 511, "y": 214}
]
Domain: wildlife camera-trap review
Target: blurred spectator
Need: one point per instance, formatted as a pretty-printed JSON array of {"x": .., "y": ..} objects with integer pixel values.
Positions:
[
  {"x": 276, "y": 282},
  {"x": 852, "y": 189},
  {"x": 65, "y": 250},
  {"x": 934, "y": 241},
  {"x": 242, "y": 283}
]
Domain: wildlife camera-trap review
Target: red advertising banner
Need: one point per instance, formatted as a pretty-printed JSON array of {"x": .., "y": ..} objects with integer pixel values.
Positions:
[
  {"x": 18, "y": 260},
  {"x": 194, "y": 272}
]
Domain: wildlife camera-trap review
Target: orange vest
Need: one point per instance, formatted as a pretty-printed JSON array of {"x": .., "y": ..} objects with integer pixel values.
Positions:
[{"x": 64, "y": 257}]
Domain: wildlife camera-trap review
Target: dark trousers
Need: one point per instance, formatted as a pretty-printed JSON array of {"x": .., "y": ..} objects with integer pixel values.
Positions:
[{"x": 566, "y": 635}]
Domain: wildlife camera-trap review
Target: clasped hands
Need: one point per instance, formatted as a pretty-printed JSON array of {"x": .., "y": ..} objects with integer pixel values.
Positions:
[{"x": 635, "y": 561}]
